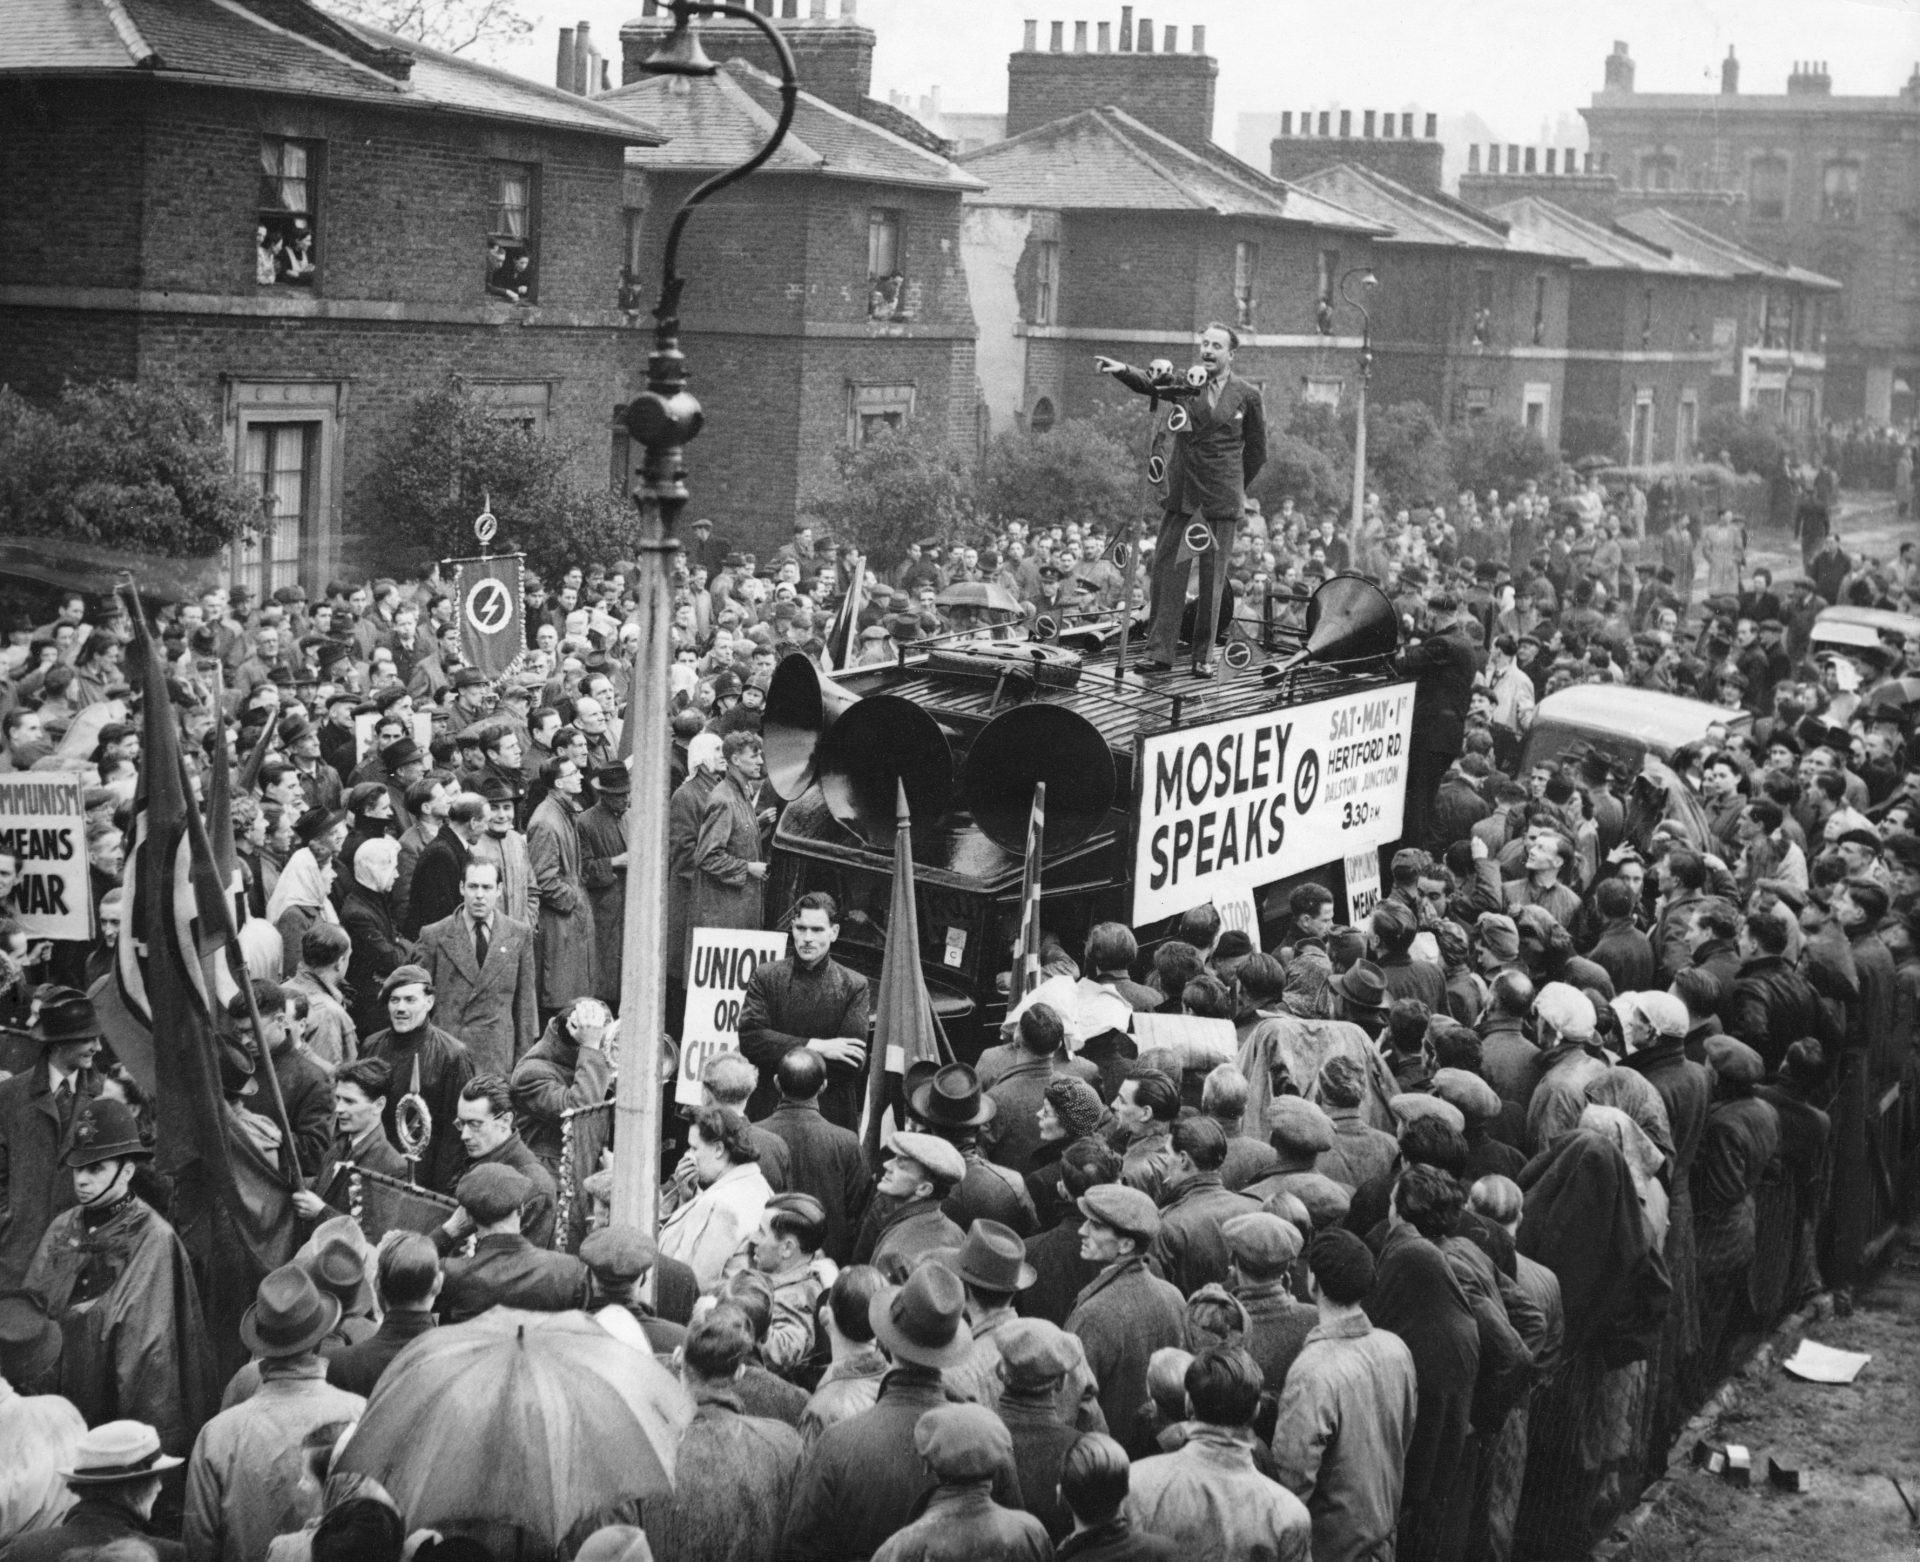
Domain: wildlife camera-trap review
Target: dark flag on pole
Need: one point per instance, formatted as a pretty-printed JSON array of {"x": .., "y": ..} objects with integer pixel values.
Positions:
[
  {"x": 231, "y": 1206},
  {"x": 844, "y": 635},
  {"x": 1026, "y": 950},
  {"x": 906, "y": 1030},
  {"x": 493, "y": 630}
]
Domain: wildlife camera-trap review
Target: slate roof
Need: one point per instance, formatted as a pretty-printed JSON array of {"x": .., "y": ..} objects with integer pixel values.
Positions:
[
  {"x": 287, "y": 46},
  {"x": 720, "y": 120},
  {"x": 1103, "y": 159},
  {"x": 1553, "y": 230},
  {"x": 1415, "y": 216},
  {"x": 1676, "y": 235}
]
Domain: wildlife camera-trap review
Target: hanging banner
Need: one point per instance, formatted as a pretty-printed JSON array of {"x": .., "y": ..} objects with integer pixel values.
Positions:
[
  {"x": 1259, "y": 798},
  {"x": 492, "y": 607},
  {"x": 723, "y": 959},
  {"x": 43, "y": 822}
]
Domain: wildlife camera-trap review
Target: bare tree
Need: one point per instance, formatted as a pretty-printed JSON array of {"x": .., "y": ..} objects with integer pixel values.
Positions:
[{"x": 453, "y": 26}]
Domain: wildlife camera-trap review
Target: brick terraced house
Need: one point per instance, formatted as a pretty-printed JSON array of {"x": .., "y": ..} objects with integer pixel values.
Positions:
[{"x": 310, "y": 224}]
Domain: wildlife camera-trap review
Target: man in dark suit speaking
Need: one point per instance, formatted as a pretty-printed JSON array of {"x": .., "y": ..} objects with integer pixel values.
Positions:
[{"x": 1215, "y": 456}]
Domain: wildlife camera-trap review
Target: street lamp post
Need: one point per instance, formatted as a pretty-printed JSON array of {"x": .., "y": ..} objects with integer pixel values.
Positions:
[
  {"x": 1367, "y": 280},
  {"x": 662, "y": 419}
]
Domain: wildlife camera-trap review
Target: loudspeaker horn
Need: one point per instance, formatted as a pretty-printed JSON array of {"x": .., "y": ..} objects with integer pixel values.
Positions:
[
  {"x": 1029, "y": 744},
  {"x": 1349, "y": 620},
  {"x": 802, "y": 704},
  {"x": 855, "y": 749}
]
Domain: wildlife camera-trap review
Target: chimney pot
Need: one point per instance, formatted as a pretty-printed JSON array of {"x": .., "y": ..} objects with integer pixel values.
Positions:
[
  {"x": 817, "y": 10},
  {"x": 1143, "y": 37},
  {"x": 1346, "y": 124},
  {"x": 1286, "y": 122},
  {"x": 1030, "y": 42},
  {"x": 1366, "y": 124},
  {"x": 1513, "y": 157},
  {"x": 1326, "y": 121},
  {"x": 1104, "y": 37},
  {"x": 650, "y": 8},
  {"x": 1433, "y": 126},
  {"x": 1386, "y": 126},
  {"x": 563, "y": 61},
  {"x": 1529, "y": 160},
  {"x": 849, "y": 10},
  {"x": 1170, "y": 40},
  {"x": 1126, "y": 29},
  {"x": 1473, "y": 157},
  {"x": 1200, "y": 40},
  {"x": 1058, "y": 37},
  {"x": 1079, "y": 37},
  {"x": 1551, "y": 156}
]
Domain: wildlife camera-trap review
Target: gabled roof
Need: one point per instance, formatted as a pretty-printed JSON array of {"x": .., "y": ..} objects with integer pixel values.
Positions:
[
  {"x": 1677, "y": 236},
  {"x": 1415, "y": 216},
  {"x": 1554, "y": 230},
  {"x": 284, "y": 46},
  {"x": 718, "y": 121},
  {"x": 1103, "y": 159}
]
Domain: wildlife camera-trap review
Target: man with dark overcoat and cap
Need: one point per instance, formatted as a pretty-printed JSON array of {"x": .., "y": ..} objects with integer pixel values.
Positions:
[
  {"x": 864, "y": 1479},
  {"x": 920, "y": 1171},
  {"x": 114, "y": 1278},
  {"x": 37, "y": 1109},
  {"x": 426, "y": 1061},
  {"x": 618, "y": 1260},
  {"x": 1128, "y": 1312},
  {"x": 506, "y": 1270}
]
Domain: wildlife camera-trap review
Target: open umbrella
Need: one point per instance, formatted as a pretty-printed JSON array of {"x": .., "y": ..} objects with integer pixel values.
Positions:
[
  {"x": 978, "y": 593},
  {"x": 532, "y": 1422},
  {"x": 1897, "y": 692}
]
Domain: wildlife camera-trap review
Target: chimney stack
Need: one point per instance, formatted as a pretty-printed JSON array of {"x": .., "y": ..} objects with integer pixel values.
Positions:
[
  {"x": 1619, "y": 71},
  {"x": 1145, "y": 77},
  {"x": 1729, "y": 74}
]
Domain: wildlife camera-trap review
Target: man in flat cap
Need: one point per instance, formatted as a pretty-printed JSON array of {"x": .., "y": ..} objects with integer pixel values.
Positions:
[
  {"x": 920, "y": 1171},
  {"x": 1262, "y": 1249},
  {"x": 506, "y": 1270},
  {"x": 427, "y": 1062},
  {"x": 1035, "y": 1358},
  {"x": 1127, "y": 1312},
  {"x": 965, "y": 1447},
  {"x": 618, "y": 1258}
]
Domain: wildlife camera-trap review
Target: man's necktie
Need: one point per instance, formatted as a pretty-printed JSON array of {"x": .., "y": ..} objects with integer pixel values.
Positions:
[{"x": 479, "y": 943}]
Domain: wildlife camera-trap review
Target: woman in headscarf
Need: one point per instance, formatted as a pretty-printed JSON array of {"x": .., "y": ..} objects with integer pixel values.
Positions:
[
  {"x": 1417, "y": 1296},
  {"x": 302, "y": 896},
  {"x": 1583, "y": 1220}
]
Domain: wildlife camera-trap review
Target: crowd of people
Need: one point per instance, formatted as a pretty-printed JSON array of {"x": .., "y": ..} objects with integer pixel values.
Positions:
[{"x": 1431, "y": 1258}]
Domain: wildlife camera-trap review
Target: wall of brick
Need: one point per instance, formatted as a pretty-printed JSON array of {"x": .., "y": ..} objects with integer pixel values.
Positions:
[
  {"x": 70, "y": 160},
  {"x": 1414, "y": 163},
  {"x": 1171, "y": 92}
]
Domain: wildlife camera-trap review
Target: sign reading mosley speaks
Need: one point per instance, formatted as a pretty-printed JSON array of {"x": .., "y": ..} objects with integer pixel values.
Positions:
[
  {"x": 723, "y": 959},
  {"x": 43, "y": 822},
  {"x": 1258, "y": 798}
]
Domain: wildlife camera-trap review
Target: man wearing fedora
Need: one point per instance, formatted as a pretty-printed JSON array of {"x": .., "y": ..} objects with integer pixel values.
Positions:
[
  {"x": 603, "y": 870},
  {"x": 37, "y": 1109},
  {"x": 864, "y": 1479},
  {"x": 115, "y": 1477},
  {"x": 113, "y": 1275},
  {"x": 245, "y": 1482},
  {"x": 920, "y": 1171},
  {"x": 482, "y": 964},
  {"x": 38, "y": 1432},
  {"x": 1128, "y": 1312},
  {"x": 950, "y": 1103}
]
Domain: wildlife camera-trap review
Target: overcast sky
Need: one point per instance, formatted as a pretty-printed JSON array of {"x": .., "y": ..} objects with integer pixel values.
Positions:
[{"x": 1518, "y": 65}]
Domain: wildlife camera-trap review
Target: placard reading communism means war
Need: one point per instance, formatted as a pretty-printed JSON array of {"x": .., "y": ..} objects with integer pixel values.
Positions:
[
  {"x": 1261, "y": 797},
  {"x": 43, "y": 822}
]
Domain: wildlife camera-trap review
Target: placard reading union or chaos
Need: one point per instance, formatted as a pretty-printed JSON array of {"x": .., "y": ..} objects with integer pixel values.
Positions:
[
  {"x": 722, "y": 960},
  {"x": 1258, "y": 798},
  {"x": 43, "y": 822}
]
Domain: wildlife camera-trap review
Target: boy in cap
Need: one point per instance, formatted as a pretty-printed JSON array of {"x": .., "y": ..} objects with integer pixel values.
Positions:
[
  {"x": 506, "y": 1270},
  {"x": 920, "y": 1171},
  {"x": 1263, "y": 1249},
  {"x": 1127, "y": 1312},
  {"x": 113, "y": 1275},
  {"x": 1035, "y": 1359}
]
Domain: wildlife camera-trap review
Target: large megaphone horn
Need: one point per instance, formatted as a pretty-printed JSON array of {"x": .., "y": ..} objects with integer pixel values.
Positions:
[
  {"x": 854, "y": 749},
  {"x": 1349, "y": 620},
  {"x": 1029, "y": 744}
]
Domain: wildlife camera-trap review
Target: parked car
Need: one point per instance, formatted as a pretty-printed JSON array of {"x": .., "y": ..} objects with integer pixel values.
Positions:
[{"x": 1873, "y": 630}]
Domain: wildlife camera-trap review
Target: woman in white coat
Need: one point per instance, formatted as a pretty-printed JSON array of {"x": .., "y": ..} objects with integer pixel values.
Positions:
[{"x": 706, "y": 1231}]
